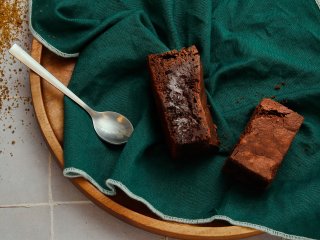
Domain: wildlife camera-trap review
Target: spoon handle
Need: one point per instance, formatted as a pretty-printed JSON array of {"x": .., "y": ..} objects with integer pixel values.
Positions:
[{"x": 25, "y": 58}]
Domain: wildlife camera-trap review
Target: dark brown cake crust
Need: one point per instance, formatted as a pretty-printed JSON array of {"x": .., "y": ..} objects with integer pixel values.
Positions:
[
  {"x": 178, "y": 87},
  {"x": 264, "y": 143}
]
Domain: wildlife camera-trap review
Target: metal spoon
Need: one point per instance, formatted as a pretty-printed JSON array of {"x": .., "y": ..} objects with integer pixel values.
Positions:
[{"x": 111, "y": 127}]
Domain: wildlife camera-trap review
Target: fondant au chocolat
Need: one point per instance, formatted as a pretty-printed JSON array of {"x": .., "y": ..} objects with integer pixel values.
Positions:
[
  {"x": 264, "y": 143},
  {"x": 178, "y": 87}
]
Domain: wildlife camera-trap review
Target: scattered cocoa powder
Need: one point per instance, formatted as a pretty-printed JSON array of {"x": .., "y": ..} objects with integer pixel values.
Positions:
[
  {"x": 10, "y": 21},
  {"x": 13, "y": 26}
]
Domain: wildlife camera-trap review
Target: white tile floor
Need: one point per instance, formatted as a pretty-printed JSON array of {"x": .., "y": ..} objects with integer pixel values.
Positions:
[{"x": 36, "y": 201}]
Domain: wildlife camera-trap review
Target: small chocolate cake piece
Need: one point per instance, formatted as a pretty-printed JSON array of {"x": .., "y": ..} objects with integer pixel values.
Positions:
[
  {"x": 264, "y": 143},
  {"x": 178, "y": 87}
]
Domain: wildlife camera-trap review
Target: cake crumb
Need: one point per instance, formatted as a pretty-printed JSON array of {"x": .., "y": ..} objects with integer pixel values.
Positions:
[{"x": 277, "y": 87}]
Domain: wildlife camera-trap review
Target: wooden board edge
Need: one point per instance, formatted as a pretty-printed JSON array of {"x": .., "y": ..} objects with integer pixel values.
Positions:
[
  {"x": 39, "y": 108},
  {"x": 166, "y": 228}
]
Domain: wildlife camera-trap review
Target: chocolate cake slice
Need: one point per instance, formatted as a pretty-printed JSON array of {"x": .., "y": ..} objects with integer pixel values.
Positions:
[
  {"x": 178, "y": 87},
  {"x": 264, "y": 143}
]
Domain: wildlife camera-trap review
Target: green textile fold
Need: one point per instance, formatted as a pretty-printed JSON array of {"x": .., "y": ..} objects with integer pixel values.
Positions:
[{"x": 247, "y": 47}]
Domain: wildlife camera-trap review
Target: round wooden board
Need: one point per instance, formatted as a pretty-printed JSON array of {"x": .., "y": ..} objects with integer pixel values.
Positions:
[{"x": 48, "y": 105}]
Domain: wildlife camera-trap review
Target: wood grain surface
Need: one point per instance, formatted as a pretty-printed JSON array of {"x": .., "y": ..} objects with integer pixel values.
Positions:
[{"x": 48, "y": 104}]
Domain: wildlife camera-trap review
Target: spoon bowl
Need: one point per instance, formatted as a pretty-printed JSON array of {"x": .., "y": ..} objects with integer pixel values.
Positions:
[{"x": 111, "y": 127}]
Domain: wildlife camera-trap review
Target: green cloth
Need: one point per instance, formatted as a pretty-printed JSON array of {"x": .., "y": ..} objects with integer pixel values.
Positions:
[{"x": 247, "y": 48}]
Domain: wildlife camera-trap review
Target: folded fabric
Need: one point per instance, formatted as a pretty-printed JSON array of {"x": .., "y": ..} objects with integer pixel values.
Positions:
[{"x": 247, "y": 48}]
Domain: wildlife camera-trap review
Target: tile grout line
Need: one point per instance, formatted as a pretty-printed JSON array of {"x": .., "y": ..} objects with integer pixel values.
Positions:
[
  {"x": 29, "y": 205},
  {"x": 23, "y": 205},
  {"x": 70, "y": 202},
  {"x": 50, "y": 196},
  {"x": 51, "y": 202}
]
